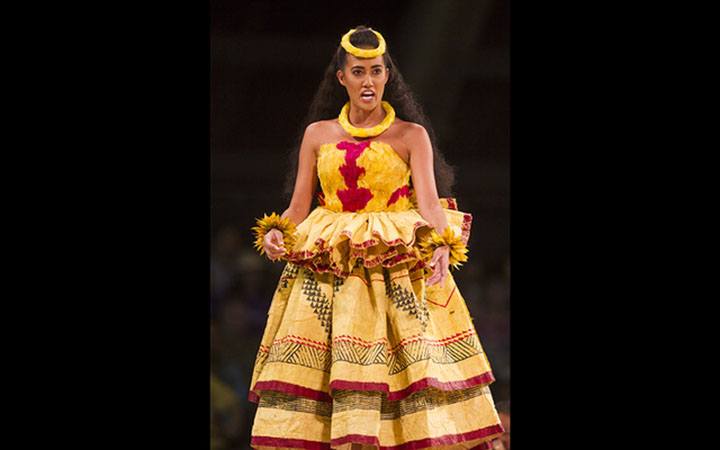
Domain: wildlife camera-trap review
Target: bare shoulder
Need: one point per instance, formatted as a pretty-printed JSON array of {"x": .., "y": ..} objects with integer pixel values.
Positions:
[
  {"x": 328, "y": 124},
  {"x": 315, "y": 128},
  {"x": 411, "y": 130},
  {"x": 320, "y": 132},
  {"x": 414, "y": 137},
  {"x": 321, "y": 129}
]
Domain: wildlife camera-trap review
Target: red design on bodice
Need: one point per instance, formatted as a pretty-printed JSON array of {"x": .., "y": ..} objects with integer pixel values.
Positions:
[
  {"x": 403, "y": 191},
  {"x": 353, "y": 198}
]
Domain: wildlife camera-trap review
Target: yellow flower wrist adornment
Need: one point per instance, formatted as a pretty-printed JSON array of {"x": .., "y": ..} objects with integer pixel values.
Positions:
[
  {"x": 458, "y": 249},
  {"x": 267, "y": 223}
]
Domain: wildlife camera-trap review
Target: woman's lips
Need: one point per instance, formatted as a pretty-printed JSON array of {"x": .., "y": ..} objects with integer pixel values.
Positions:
[{"x": 367, "y": 97}]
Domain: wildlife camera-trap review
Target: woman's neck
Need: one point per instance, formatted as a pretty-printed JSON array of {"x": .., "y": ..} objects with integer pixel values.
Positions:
[{"x": 365, "y": 119}]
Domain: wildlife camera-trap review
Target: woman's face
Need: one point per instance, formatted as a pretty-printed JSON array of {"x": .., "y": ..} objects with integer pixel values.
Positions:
[{"x": 364, "y": 79}]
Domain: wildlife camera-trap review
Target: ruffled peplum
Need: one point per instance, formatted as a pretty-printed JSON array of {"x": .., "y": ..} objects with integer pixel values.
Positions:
[{"x": 337, "y": 242}]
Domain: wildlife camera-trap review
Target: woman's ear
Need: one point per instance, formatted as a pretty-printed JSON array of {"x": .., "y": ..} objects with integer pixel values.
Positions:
[{"x": 341, "y": 77}]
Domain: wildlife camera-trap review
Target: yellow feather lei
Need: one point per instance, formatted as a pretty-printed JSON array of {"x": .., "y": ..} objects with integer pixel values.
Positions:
[
  {"x": 267, "y": 223},
  {"x": 366, "y": 132},
  {"x": 458, "y": 249}
]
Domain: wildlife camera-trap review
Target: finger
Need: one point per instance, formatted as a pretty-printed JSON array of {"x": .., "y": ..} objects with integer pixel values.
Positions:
[
  {"x": 442, "y": 274},
  {"x": 278, "y": 248},
  {"x": 435, "y": 280}
]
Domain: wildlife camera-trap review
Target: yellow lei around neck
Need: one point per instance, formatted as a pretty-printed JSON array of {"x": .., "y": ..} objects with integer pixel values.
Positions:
[{"x": 366, "y": 132}]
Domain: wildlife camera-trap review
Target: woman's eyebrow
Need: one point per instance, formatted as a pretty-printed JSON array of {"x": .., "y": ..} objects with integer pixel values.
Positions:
[{"x": 362, "y": 67}]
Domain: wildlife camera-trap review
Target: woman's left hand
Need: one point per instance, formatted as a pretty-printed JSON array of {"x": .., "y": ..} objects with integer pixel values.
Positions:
[{"x": 440, "y": 265}]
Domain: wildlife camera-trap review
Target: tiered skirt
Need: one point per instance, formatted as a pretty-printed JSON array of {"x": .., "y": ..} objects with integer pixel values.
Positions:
[{"x": 358, "y": 349}]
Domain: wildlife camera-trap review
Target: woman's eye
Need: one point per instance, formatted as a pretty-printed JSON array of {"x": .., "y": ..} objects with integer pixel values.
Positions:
[{"x": 356, "y": 72}]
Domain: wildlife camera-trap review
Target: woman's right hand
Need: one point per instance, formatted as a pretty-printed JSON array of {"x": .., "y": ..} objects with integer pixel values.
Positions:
[{"x": 273, "y": 244}]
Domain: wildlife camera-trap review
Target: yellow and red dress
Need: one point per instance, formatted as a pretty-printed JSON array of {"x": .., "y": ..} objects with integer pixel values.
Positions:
[{"x": 357, "y": 348}]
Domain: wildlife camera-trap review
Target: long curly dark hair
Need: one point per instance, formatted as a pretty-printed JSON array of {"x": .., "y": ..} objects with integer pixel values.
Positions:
[{"x": 331, "y": 96}]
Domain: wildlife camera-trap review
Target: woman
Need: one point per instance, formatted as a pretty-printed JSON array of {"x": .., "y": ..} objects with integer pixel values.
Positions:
[{"x": 368, "y": 343}]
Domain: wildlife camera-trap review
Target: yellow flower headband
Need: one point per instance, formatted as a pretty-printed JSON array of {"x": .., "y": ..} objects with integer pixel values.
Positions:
[{"x": 363, "y": 52}]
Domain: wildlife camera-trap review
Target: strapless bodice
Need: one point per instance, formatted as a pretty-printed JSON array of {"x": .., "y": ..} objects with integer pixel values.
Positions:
[
  {"x": 367, "y": 176},
  {"x": 368, "y": 213}
]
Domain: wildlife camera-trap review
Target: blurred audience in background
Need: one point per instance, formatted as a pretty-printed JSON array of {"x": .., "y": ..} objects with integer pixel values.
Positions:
[
  {"x": 224, "y": 265},
  {"x": 226, "y": 416}
]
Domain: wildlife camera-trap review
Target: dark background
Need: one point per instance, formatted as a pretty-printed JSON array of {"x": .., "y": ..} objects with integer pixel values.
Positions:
[
  {"x": 115, "y": 104},
  {"x": 267, "y": 59}
]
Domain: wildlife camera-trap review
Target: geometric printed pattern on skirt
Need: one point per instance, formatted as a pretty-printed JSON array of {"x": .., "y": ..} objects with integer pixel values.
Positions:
[
  {"x": 345, "y": 355},
  {"x": 293, "y": 350}
]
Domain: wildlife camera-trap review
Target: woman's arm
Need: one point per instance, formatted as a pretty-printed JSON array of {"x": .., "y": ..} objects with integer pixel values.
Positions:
[
  {"x": 305, "y": 184},
  {"x": 423, "y": 176},
  {"x": 306, "y": 178}
]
